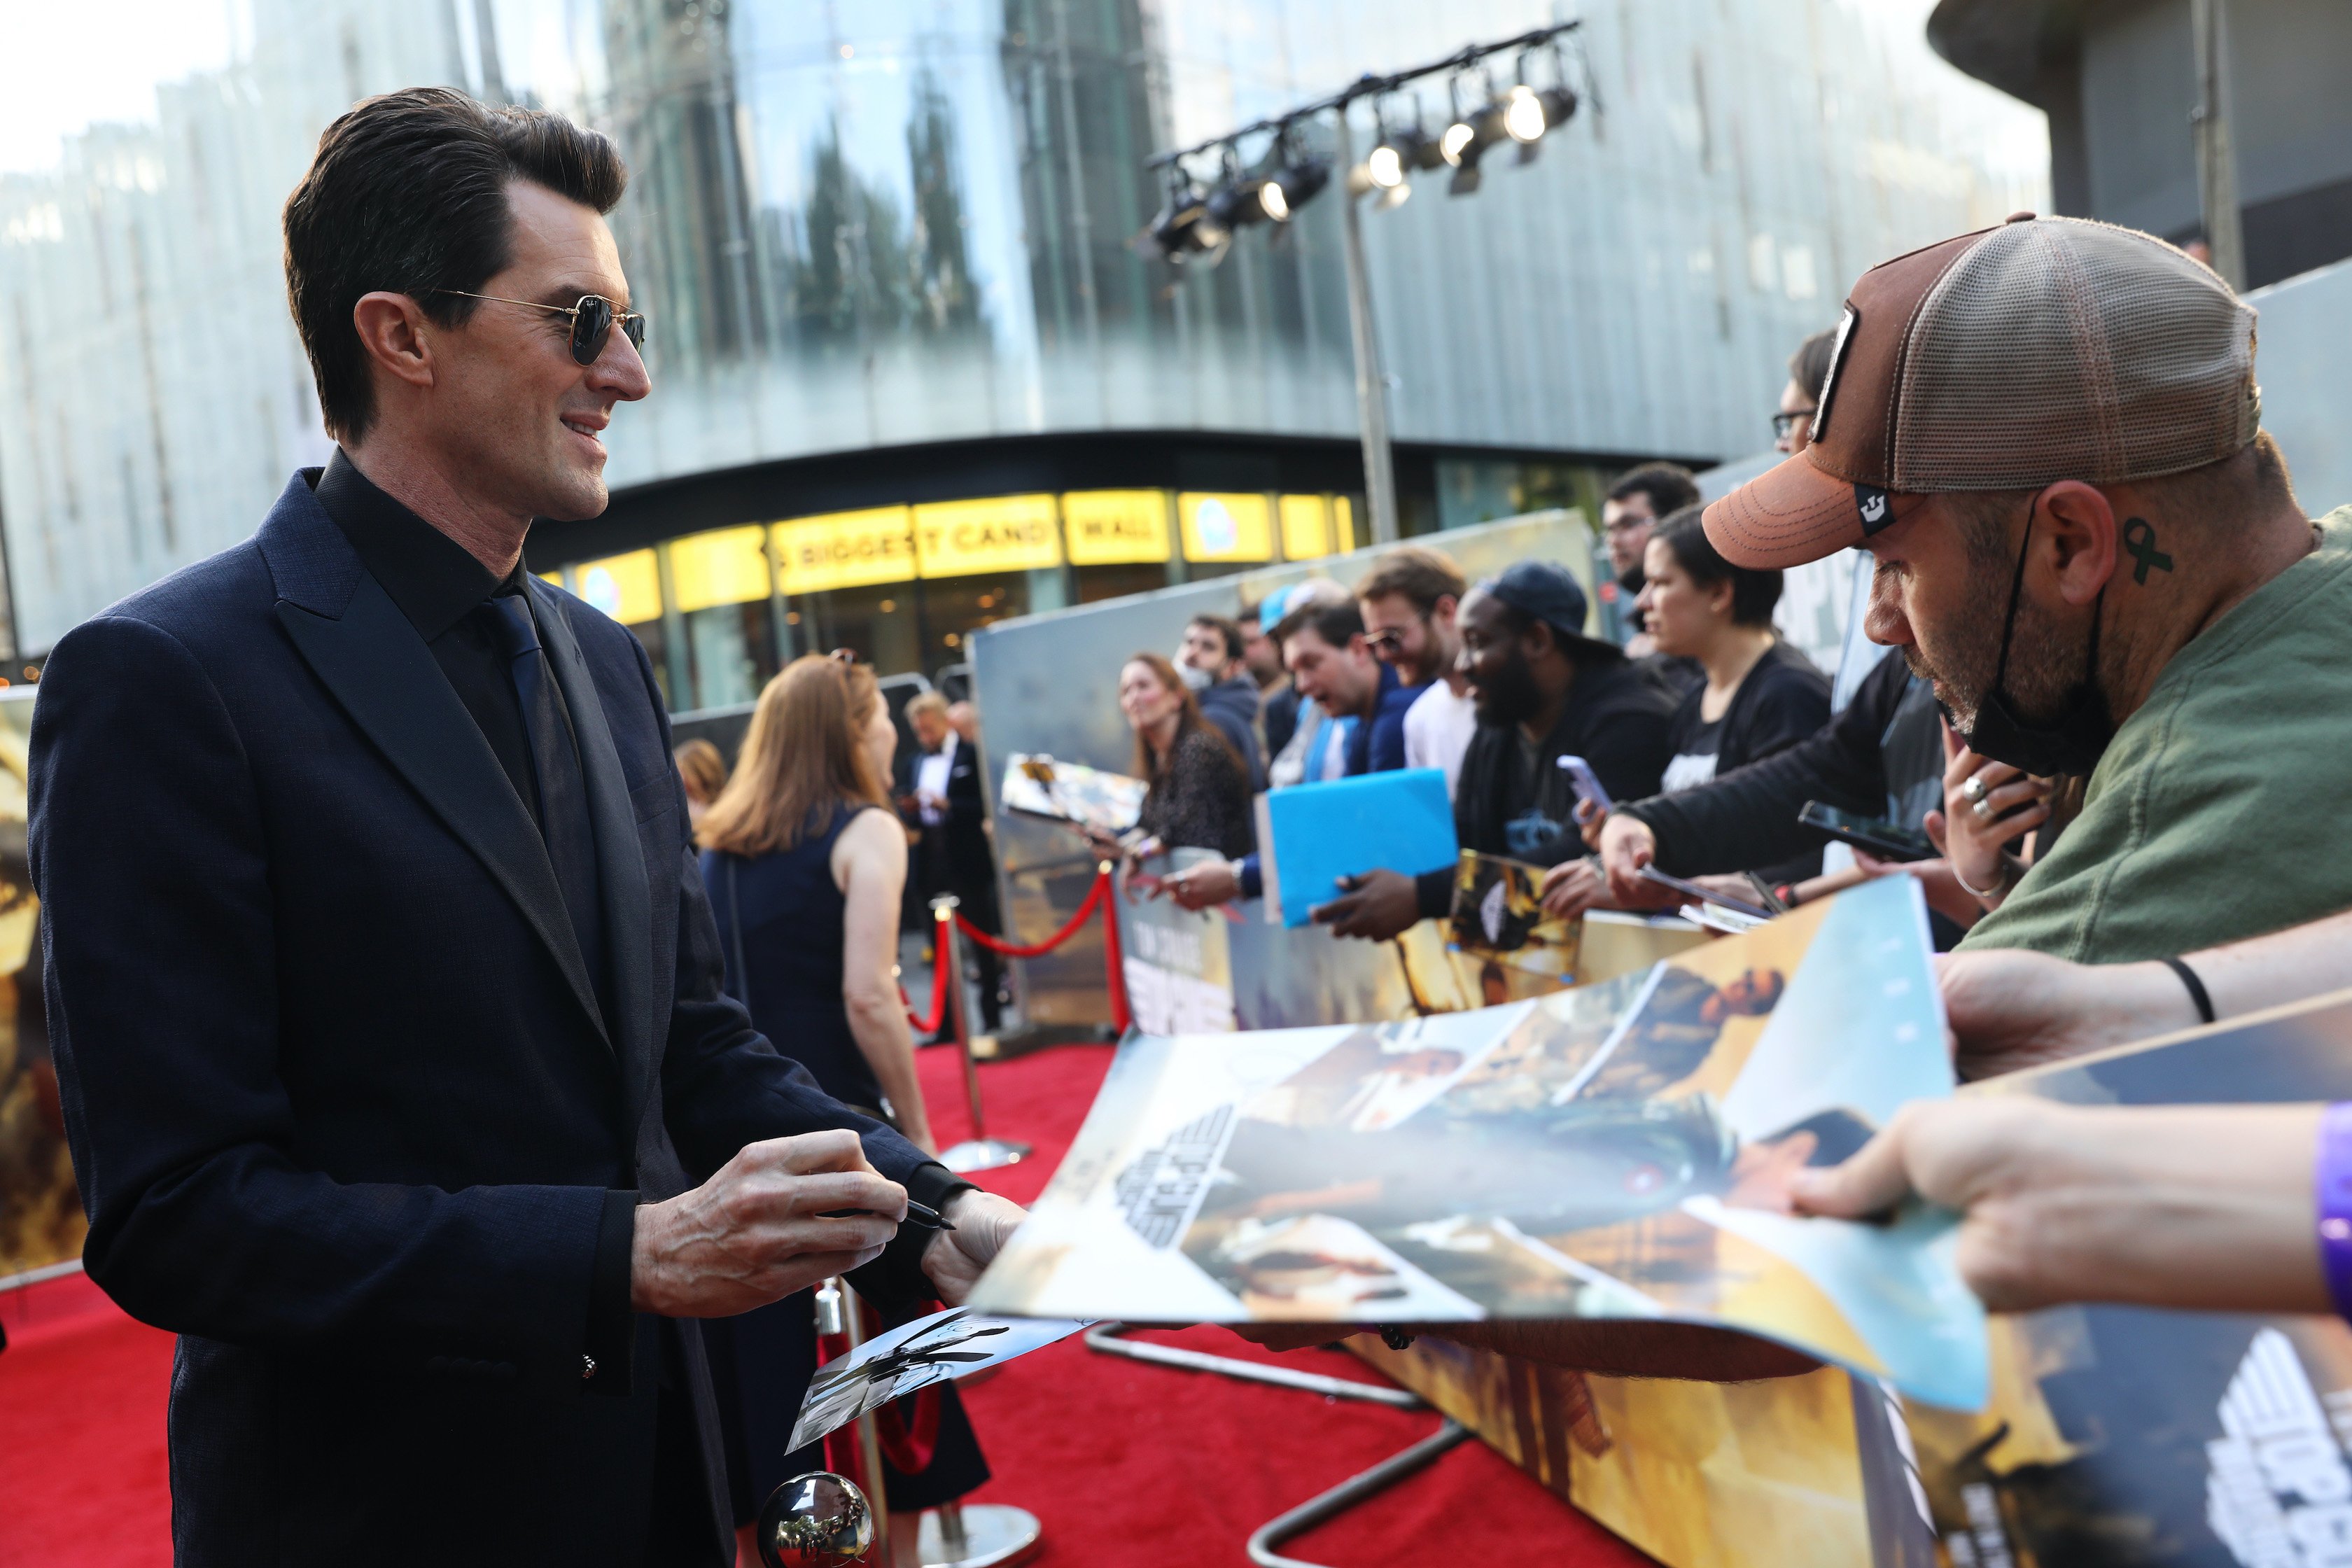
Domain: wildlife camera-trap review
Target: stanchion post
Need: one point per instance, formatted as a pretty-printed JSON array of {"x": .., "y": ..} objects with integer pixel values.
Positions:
[
  {"x": 979, "y": 1152},
  {"x": 838, "y": 1313}
]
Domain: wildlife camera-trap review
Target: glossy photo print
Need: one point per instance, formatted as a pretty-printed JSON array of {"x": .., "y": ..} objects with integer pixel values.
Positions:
[{"x": 1623, "y": 1150}]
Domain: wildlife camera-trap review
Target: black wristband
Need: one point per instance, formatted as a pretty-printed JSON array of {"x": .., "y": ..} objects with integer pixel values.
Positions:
[{"x": 2197, "y": 992}]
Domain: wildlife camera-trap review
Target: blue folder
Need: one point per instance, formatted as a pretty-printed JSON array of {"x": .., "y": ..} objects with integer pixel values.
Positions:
[{"x": 1315, "y": 834}]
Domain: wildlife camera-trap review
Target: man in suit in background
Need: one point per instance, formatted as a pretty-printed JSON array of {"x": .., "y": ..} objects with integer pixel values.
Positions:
[
  {"x": 971, "y": 858},
  {"x": 384, "y": 993}
]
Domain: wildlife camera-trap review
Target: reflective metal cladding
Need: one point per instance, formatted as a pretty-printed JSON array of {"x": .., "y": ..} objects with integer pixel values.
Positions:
[{"x": 899, "y": 221}]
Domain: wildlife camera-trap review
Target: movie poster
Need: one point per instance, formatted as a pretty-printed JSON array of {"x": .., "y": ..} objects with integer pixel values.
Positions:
[
  {"x": 1621, "y": 1149},
  {"x": 937, "y": 1348},
  {"x": 41, "y": 1222},
  {"x": 2125, "y": 1438},
  {"x": 1507, "y": 947},
  {"x": 1091, "y": 799},
  {"x": 1176, "y": 961}
]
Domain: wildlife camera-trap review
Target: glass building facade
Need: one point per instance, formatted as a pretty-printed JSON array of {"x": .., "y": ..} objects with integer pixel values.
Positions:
[{"x": 912, "y": 372}]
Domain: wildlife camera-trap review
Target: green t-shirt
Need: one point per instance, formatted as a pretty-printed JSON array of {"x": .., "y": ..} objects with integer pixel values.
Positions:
[{"x": 2213, "y": 815}]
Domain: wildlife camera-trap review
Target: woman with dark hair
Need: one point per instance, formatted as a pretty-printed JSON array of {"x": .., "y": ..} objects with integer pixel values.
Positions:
[
  {"x": 806, "y": 863},
  {"x": 1759, "y": 695},
  {"x": 1199, "y": 794}
]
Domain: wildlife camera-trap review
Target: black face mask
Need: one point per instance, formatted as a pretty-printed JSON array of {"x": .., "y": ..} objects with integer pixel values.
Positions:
[{"x": 2074, "y": 740}]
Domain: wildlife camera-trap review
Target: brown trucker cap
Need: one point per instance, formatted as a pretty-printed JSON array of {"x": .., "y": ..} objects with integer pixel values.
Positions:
[{"x": 2046, "y": 348}]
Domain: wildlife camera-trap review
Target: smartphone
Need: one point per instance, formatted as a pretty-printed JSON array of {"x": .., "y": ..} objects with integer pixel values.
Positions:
[
  {"x": 1888, "y": 840},
  {"x": 1705, "y": 895},
  {"x": 1587, "y": 783}
]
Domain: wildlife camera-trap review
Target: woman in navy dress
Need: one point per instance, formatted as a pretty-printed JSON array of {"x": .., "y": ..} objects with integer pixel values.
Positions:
[{"x": 805, "y": 864}]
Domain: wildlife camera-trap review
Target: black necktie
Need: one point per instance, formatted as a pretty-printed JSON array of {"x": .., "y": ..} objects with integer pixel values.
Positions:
[{"x": 562, "y": 794}]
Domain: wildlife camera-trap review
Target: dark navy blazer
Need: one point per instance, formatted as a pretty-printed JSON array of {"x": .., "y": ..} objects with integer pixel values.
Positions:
[{"x": 344, "y": 1107}]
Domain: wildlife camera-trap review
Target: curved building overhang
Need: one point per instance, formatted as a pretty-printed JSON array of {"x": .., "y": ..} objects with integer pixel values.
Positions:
[{"x": 2008, "y": 43}]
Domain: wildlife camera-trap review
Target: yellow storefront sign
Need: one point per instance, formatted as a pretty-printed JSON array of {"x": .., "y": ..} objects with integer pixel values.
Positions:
[
  {"x": 1002, "y": 534},
  {"x": 727, "y": 566},
  {"x": 1114, "y": 528},
  {"x": 1306, "y": 528},
  {"x": 1225, "y": 526},
  {"x": 626, "y": 587},
  {"x": 844, "y": 550},
  {"x": 1344, "y": 517}
]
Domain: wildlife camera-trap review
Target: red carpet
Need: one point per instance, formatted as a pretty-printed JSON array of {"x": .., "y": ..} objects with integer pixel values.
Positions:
[{"x": 1127, "y": 1466}]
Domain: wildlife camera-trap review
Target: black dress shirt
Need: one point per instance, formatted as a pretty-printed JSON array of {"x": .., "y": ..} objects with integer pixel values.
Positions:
[{"x": 444, "y": 593}]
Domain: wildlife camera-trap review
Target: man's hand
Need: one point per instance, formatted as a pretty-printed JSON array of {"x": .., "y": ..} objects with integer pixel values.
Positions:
[
  {"x": 955, "y": 1258},
  {"x": 1626, "y": 846},
  {"x": 1211, "y": 882},
  {"x": 1574, "y": 887},
  {"x": 754, "y": 1233},
  {"x": 1377, "y": 906},
  {"x": 2009, "y": 1009},
  {"x": 2198, "y": 1206},
  {"x": 1986, "y": 1158}
]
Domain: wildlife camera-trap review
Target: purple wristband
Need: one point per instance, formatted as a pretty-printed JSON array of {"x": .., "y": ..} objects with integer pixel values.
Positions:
[{"x": 2333, "y": 1183}]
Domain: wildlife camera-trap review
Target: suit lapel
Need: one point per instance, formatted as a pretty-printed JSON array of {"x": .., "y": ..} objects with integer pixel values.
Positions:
[
  {"x": 366, "y": 652},
  {"x": 620, "y": 855}
]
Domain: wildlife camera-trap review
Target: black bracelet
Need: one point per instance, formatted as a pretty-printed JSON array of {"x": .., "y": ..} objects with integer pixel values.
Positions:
[
  {"x": 2197, "y": 992},
  {"x": 1396, "y": 1338}
]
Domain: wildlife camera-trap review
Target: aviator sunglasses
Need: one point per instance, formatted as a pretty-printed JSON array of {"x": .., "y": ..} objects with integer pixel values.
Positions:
[{"x": 593, "y": 321}]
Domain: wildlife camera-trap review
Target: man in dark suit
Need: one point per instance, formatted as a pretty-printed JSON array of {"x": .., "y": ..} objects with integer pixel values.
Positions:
[
  {"x": 383, "y": 989},
  {"x": 971, "y": 857}
]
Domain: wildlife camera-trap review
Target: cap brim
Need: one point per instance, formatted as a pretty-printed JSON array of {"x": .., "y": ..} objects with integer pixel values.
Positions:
[{"x": 1784, "y": 517}]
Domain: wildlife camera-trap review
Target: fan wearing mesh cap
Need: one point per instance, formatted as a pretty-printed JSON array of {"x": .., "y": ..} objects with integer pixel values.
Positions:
[{"x": 2048, "y": 435}]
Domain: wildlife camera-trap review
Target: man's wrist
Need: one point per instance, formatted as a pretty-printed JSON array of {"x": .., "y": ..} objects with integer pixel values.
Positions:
[{"x": 2144, "y": 1000}]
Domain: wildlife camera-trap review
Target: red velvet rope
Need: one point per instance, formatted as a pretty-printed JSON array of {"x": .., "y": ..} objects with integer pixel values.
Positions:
[
  {"x": 930, "y": 1025},
  {"x": 1098, "y": 897},
  {"x": 1095, "y": 896}
]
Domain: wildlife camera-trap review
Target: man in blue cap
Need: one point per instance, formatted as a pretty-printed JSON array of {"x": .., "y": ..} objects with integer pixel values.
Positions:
[{"x": 1543, "y": 691}]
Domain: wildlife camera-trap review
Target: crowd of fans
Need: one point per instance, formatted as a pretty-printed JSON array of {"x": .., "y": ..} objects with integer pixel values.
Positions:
[
  {"x": 2114, "y": 690},
  {"x": 2114, "y": 678}
]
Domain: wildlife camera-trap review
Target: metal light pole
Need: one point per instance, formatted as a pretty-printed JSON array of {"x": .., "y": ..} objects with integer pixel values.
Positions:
[
  {"x": 1371, "y": 382},
  {"x": 2217, "y": 160}
]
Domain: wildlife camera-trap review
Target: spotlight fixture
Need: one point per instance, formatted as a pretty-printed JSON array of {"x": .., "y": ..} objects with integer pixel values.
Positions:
[
  {"x": 1182, "y": 227},
  {"x": 1529, "y": 113},
  {"x": 1398, "y": 156},
  {"x": 1523, "y": 114},
  {"x": 1241, "y": 199},
  {"x": 1466, "y": 138},
  {"x": 1295, "y": 183}
]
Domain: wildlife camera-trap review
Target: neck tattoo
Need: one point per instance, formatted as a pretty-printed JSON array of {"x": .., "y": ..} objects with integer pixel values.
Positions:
[{"x": 2139, "y": 542}]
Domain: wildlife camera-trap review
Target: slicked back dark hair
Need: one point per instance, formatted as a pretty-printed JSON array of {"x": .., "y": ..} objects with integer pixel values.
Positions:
[{"x": 408, "y": 193}]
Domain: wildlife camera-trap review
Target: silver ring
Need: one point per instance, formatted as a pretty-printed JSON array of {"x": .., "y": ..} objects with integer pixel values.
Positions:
[
  {"x": 1983, "y": 808},
  {"x": 1973, "y": 788}
]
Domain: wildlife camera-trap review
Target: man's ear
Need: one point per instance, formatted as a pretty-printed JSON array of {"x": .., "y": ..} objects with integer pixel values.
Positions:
[
  {"x": 2080, "y": 537},
  {"x": 393, "y": 333},
  {"x": 1441, "y": 612}
]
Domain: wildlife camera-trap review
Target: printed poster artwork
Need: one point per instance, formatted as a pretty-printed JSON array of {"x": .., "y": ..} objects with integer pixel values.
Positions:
[
  {"x": 41, "y": 1222},
  {"x": 1621, "y": 1149},
  {"x": 937, "y": 1349}
]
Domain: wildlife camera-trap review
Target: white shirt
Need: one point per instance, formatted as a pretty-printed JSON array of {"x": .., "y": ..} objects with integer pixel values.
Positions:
[
  {"x": 1437, "y": 730},
  {"x": 931, "y": 780}
]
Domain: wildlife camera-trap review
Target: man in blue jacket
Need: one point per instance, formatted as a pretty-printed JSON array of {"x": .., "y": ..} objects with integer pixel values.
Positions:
[
  {"x": 1360, "y": 730},
  {"x": 384, "y": 994}
]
